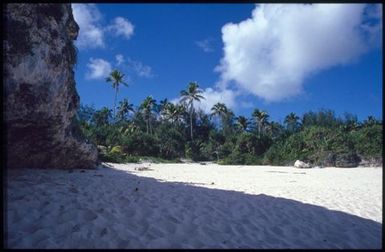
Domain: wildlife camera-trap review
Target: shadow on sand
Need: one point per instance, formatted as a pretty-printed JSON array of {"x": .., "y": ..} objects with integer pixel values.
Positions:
[{"x": 225, "y": 219}]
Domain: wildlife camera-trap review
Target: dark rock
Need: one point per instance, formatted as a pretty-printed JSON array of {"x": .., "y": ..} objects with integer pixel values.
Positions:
[
  {"x": 40, "y": 94},
  {"x": 370, "y": 162},
  {"x": 347, "y": 160},
  {"x": 329, "y": 160}
]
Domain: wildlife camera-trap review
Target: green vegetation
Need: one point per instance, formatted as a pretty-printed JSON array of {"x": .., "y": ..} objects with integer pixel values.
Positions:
[{"x": 167, "y": 132}]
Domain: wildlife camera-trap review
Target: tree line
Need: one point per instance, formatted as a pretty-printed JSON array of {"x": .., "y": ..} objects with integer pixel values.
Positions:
[{"x": 167, "y": 131}]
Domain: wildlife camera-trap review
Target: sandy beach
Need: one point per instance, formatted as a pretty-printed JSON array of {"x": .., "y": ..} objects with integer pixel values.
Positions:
[{"x": 194, "y": 206}]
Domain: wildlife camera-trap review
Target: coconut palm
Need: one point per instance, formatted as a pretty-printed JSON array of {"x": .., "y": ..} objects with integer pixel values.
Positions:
[
  {"x": 219, "y": 109},
  {"x": 147, "y": 107},
  {"x": 274, "y": 129},
  {"x": 173, "y": 112},
  {"x": 261, "y": 118},
  {"x": 124, "y": 109},
  {"x": 116, "y": 78},
  {"x": 226, "y": 115},
  {"x": 193, "y": 93},
  {"x": 242, "y": 123},
  {"x": 370, "y": 121},
  {"x": 101, "y": 117},
  {"x": 291, "y": 121}
]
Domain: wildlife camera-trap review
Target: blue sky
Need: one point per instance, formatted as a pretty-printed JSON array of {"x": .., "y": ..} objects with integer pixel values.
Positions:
[{"x": 277, "y": 58}]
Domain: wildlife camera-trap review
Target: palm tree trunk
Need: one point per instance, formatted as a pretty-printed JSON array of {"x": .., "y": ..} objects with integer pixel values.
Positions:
[
  {"x": 147, "y": 124},
  {"x": 191, "y": 129},
  {"x": 116, "y": 96}
]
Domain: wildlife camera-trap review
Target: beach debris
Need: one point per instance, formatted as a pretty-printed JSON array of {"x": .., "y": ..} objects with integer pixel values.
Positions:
[
  {"x": 202, "y": 163},
  {"x": 301, "y": 164},
  {"x": 212, "y": 183},
  {"x": 143, "y": 169}
]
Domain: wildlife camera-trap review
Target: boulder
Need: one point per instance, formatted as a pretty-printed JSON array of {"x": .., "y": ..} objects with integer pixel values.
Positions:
[
  {"x": 347, "y": 160},
  {"x": 371, "y": 162},
  {"x": 300, "y": 164},
  {"x": 102, "y": 149},
  {"x": 40, "y": 95}
]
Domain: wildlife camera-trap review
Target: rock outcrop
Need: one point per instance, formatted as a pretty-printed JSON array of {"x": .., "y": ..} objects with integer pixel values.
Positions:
[
  {"x": 40, "y": 96},
  {"x": 300, "y": 164}
]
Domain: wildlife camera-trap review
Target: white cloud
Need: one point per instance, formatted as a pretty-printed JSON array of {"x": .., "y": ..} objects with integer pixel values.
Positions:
[
  {"x": 213, "y": 96},
  {"x": 119, "y": 59},
  {"x": 272, "y": 53},
  {"x": 91, "y": 34},
  {"x": 98, "y": 69},
  {"x": 205, "y": 45},
  {"x": 139, "y": 68},
  {"x": 133, "y": 66},
  {"x": 121, "y": 27}
]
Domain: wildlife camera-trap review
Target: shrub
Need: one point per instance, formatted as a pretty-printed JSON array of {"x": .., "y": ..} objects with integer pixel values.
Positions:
[{"x": 368, "y": 141}]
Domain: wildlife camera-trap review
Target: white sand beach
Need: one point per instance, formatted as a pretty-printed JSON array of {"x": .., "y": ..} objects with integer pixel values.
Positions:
[{"x": 194, "y": 206}]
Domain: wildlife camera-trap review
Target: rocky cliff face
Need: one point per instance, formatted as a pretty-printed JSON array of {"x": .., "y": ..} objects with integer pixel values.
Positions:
[{"x": 40, "y": 96}]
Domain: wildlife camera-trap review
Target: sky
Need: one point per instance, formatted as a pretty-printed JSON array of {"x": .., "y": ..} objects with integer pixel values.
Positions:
[{"x": 280, "y": 58}]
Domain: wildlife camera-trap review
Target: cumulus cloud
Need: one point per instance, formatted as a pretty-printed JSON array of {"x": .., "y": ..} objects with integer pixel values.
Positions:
[
  {"x": 133, "y": 66},
  {"x": 121, "y": 27},
  {"x": 119, "y": 59},
  {"x": 91, "y": 34},
  {"x": 272, "y": 53},
  {"x": 205, "y": 45},
  {"x": 213, "y": 96},
  {"x": 98, "y": 69},
  {"x": 139, "y": 68}
]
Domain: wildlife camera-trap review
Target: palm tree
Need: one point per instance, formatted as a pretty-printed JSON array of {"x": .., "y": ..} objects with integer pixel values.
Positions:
[
  {"x": 291, "y": 121},
  {"x": 225, "y": 114},
  {"x": 116, "y": 78},
  {"x": 101, "y": 117},
  {"x": 370, "y": 121},
  {"x": 261, "y": 118},
  {"x": 147, "y": 107},
  {"x": 242, "y": 123},
  {"x": 274, "y": 129},
  {"x": 173, "y": 112},
  {"x": 190, "y": 95},
  {"x": 219, "y": 109},
  {"x": 124, "y": 108}
]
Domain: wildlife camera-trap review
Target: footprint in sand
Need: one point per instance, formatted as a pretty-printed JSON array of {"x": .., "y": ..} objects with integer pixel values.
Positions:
[
  {"x": 277, "y": 231},
  {"x": 89, "y": 215},
  {"x": 173, "y": 220},
  {"x": 103, "y": 232}
]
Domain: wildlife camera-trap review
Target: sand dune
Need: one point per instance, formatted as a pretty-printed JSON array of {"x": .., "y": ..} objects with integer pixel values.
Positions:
[{"x": 194, "y": 206}]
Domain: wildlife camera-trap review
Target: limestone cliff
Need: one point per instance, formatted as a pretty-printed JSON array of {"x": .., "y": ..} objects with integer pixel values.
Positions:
[{"x": 39, "y": 87}]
